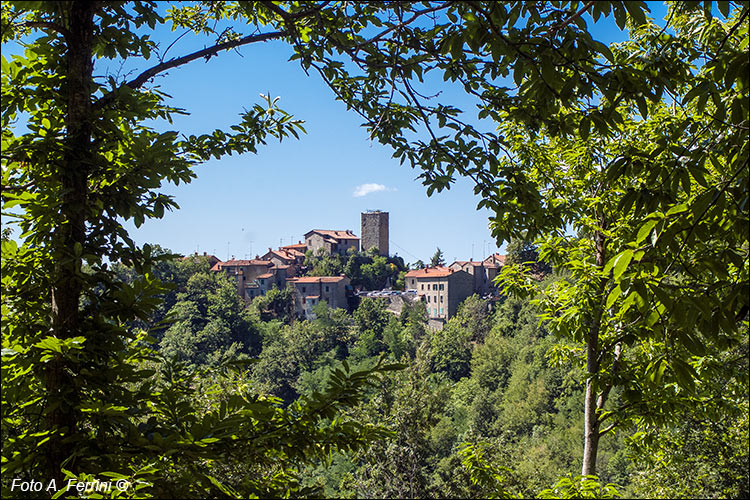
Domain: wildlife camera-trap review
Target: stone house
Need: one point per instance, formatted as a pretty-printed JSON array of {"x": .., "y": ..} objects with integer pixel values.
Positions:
[
  {"x": 311, "y": 290},
  {"x": 298, "y": 248},
  {"x": 492, "y": 264},
  {"x": 332, "y": 242},
  {"x": 243, "y": 272},
  {"x": 442, "y": 289},
  {"x": 481, "y": 274},
  {"x": 277, "y": 276},
  {"x": 290, "y": 259}
]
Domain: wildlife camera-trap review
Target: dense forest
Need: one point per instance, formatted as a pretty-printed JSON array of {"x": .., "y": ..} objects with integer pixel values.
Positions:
[
  {"x": 615, "y": 364},
  {"x": 484, "y": 407}
]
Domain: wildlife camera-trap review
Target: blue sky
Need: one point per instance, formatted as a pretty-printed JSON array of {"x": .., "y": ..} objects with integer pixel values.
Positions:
[{"x": 242, "y": 205}]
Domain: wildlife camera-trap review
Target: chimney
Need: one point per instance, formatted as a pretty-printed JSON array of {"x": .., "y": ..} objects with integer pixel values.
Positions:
[{"x": 204, "y": 253}]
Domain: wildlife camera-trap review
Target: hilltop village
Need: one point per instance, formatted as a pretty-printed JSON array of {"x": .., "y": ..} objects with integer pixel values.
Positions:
[{"x": 442, "y": 288}]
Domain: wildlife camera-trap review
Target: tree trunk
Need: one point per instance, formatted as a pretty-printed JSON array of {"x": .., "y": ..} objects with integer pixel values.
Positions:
[
  {"x": 73, "y": 174},
  {"x": 591, "y": 419}
]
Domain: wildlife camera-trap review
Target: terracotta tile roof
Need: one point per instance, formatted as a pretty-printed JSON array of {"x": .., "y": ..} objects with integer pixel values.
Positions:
[
  {"x": 254, "y": 262},
  {"x": 430, "y": 272},
  {"x": 216, "y": 267},
  {"x": 295, "y": 253},
  {"x": 301, "y": 247},
  {"x": 281, "y": 266},
  {"x": 267, "y": 275},
  {"x": 312, "y": 296},
  {"x": 281, "y": 254},
  {"x": 339, "y": 235},
  {"x": 495, "y": 258},
  {"x": 317, "y": 279}
]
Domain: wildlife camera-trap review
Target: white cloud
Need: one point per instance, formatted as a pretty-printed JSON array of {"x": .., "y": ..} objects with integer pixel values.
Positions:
[{"x": 365, "y": 189}]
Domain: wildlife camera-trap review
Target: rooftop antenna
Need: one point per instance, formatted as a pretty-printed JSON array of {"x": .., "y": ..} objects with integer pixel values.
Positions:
[{"x": 472, "y": 251}]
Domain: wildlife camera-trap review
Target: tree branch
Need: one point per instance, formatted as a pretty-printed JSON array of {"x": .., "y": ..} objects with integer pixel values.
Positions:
[
  {"x": 731, "y": 31},
  {"x": 179, "y": 61},
  {"x": 608, "y": 428},
  {"x": 47, "y": 24},
  {"x": 572, "y": 18},
  {"x": 12, "y": 189}
]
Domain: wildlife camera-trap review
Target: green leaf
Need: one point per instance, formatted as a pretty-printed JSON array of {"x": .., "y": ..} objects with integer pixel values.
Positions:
[
  {"x": 636, "y": 11},
  {"x": 723, "y": 7},
  {"x": 613, "y": 296},
  {"x": 684, "y": 374},
  {"x": 645, "y": 230},
  {"x": 657, "y": 370},
  {"x": 677, "y": 209},
  {"x": 620, "y": 263}
]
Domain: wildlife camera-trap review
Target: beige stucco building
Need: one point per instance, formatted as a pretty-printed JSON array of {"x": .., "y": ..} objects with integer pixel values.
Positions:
[
  {"x": 311, "y": 290},
  {"x": 442, "y": 289}
]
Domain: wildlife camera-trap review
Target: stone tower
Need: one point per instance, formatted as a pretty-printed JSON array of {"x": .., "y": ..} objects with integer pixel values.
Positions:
[{"x": 375, "y": 231}]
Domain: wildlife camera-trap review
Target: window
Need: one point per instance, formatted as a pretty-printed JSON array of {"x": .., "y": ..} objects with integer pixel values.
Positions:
[
  {"x": 422, "y": 286},
  {"x": 442, "y": 286},
  {"x": 304, "y": 300},
  {"x": 304, "y": 289},
  {"x": 441, "y": 311},
  {"x": 428, "y": 299},
  {"x": 263, "y": 282},
  {"x": 434, "y": 286},
  {"x": 327, "y": 289},
  {"x": 441, "y": 298}
]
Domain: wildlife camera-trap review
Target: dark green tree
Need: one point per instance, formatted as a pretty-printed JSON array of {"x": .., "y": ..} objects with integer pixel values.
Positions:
[
  {"x": 371, "y": 320},
  {"x": 277, "y": 304},
  {"x": 640, "y": 148},
  {"x": 211, "y": 324},
  {"x": 80, "y": 156},
  {"x": 437, "y": 258},
  {"x": 524, "y": 253}
]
